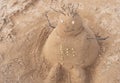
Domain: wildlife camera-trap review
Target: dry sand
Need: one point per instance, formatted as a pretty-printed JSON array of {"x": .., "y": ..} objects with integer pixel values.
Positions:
[{"x": 24, "y": 30}]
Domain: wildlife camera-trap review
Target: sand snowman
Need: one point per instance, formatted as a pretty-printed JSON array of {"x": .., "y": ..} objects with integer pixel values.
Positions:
[{"x": 71, "y": 46}]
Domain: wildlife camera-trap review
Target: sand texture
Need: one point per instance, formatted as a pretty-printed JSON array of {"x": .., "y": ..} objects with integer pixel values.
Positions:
[{"x": 41, "y": 42}]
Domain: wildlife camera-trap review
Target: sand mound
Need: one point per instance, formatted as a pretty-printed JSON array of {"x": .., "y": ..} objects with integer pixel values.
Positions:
[{"x": 71, "y": 44}]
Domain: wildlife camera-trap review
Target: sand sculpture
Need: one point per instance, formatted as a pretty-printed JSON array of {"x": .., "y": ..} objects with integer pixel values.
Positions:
[{"x": 70, "y": 49}]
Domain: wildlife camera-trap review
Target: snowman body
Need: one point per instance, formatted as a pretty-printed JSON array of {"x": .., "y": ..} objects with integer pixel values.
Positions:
[{"x": 70, "y": 45}]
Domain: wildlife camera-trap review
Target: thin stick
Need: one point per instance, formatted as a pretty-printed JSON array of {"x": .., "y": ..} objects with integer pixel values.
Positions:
[
  {"x": 99, "y": 38},
  {"x": 46, "y": 15}
]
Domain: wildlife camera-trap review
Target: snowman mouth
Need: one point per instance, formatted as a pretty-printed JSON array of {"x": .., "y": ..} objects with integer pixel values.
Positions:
[
  {"x": 73, "y": 31},
  {"x": 69, "y": 30}
]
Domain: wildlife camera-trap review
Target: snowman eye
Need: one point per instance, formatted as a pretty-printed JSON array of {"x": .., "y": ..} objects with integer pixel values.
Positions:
[
  {"x": 61, "y": 21},
  {"x": 73, "y": 22}
]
